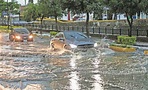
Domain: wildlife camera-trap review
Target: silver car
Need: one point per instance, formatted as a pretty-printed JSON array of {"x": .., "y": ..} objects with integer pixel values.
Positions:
[
  {"x": 72, "y": 40},
  {"x": 20, "y": 34}
]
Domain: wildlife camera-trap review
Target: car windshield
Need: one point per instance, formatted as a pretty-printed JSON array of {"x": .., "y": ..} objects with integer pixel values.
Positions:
[
  {"x": 75, "y": 35},
  {"x": 22, "y": 31}
]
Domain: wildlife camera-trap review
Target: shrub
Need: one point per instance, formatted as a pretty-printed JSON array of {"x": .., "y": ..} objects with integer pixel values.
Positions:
[
  {"x": 3, "y": 27},
  {"x": 6, "y": 27},
  {"x": 120, "y": 45},
  {"x": 53, "y": 33},
  {"x": 126, "y": 40}
]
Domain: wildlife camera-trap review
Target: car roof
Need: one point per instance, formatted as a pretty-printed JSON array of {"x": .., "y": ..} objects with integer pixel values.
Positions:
[
  {"x": 21, "y": 30},
  {"x": 73, "y": 32},
  {"x": 70, "y": 31},
  {"x": 77, "y": 34}
]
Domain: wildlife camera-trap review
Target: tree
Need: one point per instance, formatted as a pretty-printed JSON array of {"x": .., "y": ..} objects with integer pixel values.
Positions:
[
  {"x": 31, "y": 12},
  {"x": 8, "y": 8},
  {"x": 43, "y": 10},
  {"x": 13, "y": 7},
  {"x": 51, "y": 8},
  {"x": 3, "y": 5},
  {"x": 129, "y": 7},
  {"x": 112, "y": 5},
  {"x": 144, "y": 6},
  {"x": 83, "y": 6},
  {"x": 55, "y": 10}
]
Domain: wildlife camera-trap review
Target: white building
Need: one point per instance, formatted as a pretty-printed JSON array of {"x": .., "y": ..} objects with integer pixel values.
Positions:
[
  {"x": 123, "y": 16},
  {"x": 76, "y": 17}
]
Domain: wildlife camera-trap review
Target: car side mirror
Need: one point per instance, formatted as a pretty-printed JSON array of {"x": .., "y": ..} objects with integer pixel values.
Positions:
[{"x": 61, "y": 39}]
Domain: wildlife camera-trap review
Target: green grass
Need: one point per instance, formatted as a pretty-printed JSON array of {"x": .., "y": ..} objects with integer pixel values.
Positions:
[
  {"x": 5, "y": 28},
  {"x": 121, "y": 45},
  {"x": 53, "y": 33}
]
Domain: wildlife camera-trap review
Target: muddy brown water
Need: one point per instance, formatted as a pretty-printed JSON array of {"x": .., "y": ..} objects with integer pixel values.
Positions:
[{"x": 33, "y": 66}]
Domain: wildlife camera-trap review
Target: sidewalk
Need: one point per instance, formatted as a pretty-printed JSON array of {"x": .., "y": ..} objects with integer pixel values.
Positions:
[{"x": 142, "y": 44}]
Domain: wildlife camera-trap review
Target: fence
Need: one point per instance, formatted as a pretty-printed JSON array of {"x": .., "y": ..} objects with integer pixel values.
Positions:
[{"x": 92, "y": 30}]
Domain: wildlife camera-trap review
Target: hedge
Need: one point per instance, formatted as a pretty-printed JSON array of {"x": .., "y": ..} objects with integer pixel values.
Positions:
[{"x": 126, "y": 40}]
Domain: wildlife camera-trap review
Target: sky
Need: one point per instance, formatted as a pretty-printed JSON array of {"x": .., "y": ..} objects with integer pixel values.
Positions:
[{"x": 22, "y": 2}]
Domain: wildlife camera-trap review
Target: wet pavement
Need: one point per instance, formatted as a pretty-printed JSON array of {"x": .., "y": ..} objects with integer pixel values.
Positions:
[{"x": 33, "y": 66}]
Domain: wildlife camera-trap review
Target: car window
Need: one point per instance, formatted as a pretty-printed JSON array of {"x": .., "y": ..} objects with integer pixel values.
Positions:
[
  {"x": 75, "y": 35},
  {"x": 81, "y": 35},
  {"x": 60, "y": 35},
  {"x": 22, "y": 31}
]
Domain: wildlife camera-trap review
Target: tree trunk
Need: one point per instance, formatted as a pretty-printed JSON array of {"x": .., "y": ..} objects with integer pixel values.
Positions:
[
  {"x": 87, "y": 21},
  {"x": 138, "y": 14},
  {"x": 109, "y": 16},
  {"x": 8, "y": 22},
  {"x": 41, "y": 24},
  {"x": 115, "y": 16},
  {"x": 56, "y": 23},
  {"x": 68, "y": 15},
  {"x": 130, "y": 23}
]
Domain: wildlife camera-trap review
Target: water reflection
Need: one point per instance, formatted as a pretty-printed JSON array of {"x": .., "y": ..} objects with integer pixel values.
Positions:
[
  {"x": 74, "y": 84},
  {"x": 97, "y": 84},
  {"x": 74, "y": 75},
  {"x": 56, "y": 71}
]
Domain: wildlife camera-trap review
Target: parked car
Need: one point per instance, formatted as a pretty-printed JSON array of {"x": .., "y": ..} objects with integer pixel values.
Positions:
[
  {"x": 71, "y": 40},
  {"x": 20, "y": 34}
]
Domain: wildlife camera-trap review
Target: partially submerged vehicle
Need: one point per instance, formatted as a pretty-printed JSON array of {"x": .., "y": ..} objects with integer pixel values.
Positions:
[
  {"x": 72, "y": 40},
  {"x": 20, "y": 34}
]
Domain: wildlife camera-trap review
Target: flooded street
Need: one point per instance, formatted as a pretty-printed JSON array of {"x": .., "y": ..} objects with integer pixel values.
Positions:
[{"x": 33, "y": 66}]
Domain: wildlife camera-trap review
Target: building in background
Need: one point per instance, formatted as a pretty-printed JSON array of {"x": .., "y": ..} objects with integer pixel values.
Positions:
[
  {"x": 76, "y": 17},
  {"x": 123, "y": 16}
]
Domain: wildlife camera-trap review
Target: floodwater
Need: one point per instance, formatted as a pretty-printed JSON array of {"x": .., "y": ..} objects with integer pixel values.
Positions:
[{"x": 33, "y": 66}]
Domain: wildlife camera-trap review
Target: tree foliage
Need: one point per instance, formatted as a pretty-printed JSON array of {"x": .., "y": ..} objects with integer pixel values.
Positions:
[
  {"x": 43, "y": 10},
  {"x": 128, "y": 7},
  {"x": 144, "y": 6},
  {"x": 13, "y": 7},
  {"x": 3, "y": 6},
  {"x": 55, "y": 9},
  {"x": 10, "y": 6},
  {"x": 31, "y": 12},
  {"x": 83, "y": 6}
]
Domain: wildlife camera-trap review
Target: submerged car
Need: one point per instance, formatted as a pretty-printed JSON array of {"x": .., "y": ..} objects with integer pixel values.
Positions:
[
  {"x": 72, "y": 40},
  {"x": 20, "y": 34}
]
